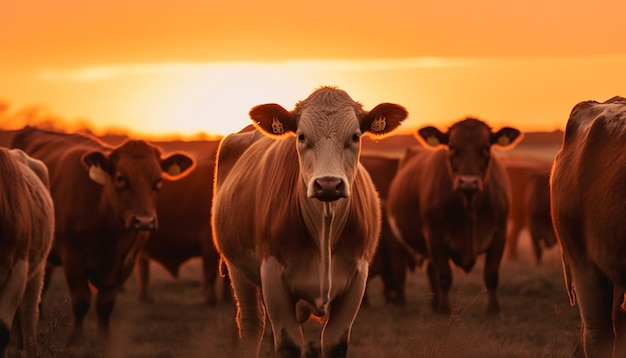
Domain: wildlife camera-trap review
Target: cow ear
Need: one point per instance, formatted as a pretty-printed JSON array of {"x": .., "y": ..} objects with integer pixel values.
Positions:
[
  {"x": 383, "y": 119},
  {"x": 98, "y": 165},
  {"x": 273, "y": 120},
  {"x": 177, "y": 166},
  {"x": 432, "y": 136},
  {"x": 505, "y": 137}
]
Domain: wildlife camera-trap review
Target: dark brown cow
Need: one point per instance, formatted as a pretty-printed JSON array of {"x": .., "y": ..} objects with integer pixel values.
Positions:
[
  {"x": 184, "y": 211},
  {"x": 452, "y": 204},
  {"x": 26, "y": 231},
  {"x": 530, "y": 206},
  {"x": 588, "y": 194},
  {"x": 297, "y": 218},
  {"x": 105, "y": 205},
  {"x": 392, "y": 260}
]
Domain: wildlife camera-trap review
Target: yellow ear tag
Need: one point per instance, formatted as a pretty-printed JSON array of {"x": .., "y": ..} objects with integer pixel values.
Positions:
[
  {"x": 504, "y": 140},
  {"x": 173, "y": 170},
  {"x": 277, "y": 127},
  {"x": 379, "y": 124},
  {"x": 432, "y": 141},
  {"x": 97, "y": 174}
]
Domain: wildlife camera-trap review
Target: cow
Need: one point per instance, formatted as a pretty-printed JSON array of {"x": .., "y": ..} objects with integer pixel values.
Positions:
[
  {"x": 451, "y": 203},
  {"x": 530, "y": 206},
  {"x": 26, "y": 233},
  {"x": 392, "y": 259},
  {"x": 105, "y": 205},
  {"x": 588, "y": 210},
  {"x": 184, "y": 212},
  {"x": 296, "y": 218}
]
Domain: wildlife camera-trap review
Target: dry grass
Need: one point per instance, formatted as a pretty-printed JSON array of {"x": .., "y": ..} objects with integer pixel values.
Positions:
[{"x": 536, "y": 319}]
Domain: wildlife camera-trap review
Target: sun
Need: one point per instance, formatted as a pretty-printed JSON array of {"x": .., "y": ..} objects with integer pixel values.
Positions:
[{"x": 214, "y": 99}]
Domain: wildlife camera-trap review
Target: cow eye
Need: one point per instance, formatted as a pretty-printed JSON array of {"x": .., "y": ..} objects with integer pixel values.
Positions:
[
  {"x": 486, "y": 150},
  {"x": 452, "y": 150},
  {"x": 301, "y": 138},
  {"x": 355, "y": 138},
  {"x": 120, "y": 181}
]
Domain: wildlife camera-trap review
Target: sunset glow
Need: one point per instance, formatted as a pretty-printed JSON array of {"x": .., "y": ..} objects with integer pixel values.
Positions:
[{"x": 198, "y": 68}]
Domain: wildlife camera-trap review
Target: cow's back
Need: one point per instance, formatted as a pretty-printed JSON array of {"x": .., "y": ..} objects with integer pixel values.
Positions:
[
  {"x": 588, "y": 187},
  {"x": 76, "y": 197}
]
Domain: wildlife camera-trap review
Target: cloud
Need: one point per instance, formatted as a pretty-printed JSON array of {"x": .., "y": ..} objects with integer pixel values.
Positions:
[{"x": 109, "y": 72}]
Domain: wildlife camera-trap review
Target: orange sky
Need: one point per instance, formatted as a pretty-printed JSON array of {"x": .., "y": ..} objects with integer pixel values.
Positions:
[{"x": 186, "y": 66}]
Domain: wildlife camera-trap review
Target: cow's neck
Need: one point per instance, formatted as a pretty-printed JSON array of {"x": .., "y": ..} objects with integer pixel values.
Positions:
[{"x": 325, "y": 222}]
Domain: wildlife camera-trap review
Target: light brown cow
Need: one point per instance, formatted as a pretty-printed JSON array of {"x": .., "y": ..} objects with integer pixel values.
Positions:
[
  {"x": 392, "y": 259},
  {"x": 105, "y": 205},
  {"x": 588, "y": 194},
  {"x": 297, "y": 218},
  {"x": 184, "y": 211},
  {"x": 452, "y": 204},
  {"x": 26, "y": 231},
  {"x": 530, "y": 206}
]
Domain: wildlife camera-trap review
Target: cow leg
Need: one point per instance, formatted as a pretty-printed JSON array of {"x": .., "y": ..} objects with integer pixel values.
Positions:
[
  {"x": 440, "y": 278},
  {"x": 142, "y": 275},
  {"x": 29, "y": 314},
  {"x": 343, "y": 311},
  {"x": 398, "y": 271},
  {"x": 281, "y": 311},
  {"x": 80, "y": 295},
  {"x": 11, "y": 294},
  {"x": 250, "y": 313},
  {"x": 535, "y": 238},
  {"x": 492, "y": 270},
  {"x": 48, "y": 272},
  {"x": 513, "y": 239},
  {"x": 619, "y": 324},
  {"x": 105, "y": 301},
  {"x": 594, "y": 295},
  {"x": 210, "y": 264}
]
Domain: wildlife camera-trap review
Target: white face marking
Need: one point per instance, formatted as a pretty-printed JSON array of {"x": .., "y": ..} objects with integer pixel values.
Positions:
[{"x": 327, "y": 147}]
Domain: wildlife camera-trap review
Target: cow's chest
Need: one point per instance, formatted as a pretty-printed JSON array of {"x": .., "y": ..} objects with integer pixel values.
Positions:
[
  {"x": 306, "y": 276},
  {"x": 103, "y": 260}
]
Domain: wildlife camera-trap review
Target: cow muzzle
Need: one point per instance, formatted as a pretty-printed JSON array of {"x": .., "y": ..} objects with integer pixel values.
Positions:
[
  {"x": 329, "y": 189},
  {"x": 143, "y": 222},
  {"x": 469, "y": 186}
]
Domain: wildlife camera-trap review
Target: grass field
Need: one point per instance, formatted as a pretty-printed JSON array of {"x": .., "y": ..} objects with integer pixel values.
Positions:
[{"x": 536, "y": 318}]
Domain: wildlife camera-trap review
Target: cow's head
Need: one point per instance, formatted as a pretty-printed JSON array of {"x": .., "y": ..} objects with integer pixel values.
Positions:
[
  {"x": 328, "y": 126},
  {"x": 131, "y": 175},
  {"x": 469, "y": 144}
]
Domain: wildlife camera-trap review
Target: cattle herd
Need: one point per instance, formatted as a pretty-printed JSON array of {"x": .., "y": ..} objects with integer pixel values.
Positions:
[{"x": 297, "y": 217}]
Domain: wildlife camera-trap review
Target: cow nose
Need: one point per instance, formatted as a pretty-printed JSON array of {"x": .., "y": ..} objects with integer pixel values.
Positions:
[
  {"x": 329, "y": 189},
  {"x": 143, "y": 222},
  {"x": 468, "y": 183}
]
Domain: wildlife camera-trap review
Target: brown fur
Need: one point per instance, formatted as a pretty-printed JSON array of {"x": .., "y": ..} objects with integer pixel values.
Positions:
[
  {"x": 270, "y": 222},
  {"x": 392, "y": 259},
  {"x": 588, "y": 206},
  {"x": 530, "y": 206},
  {"x": 26, "y": 229},
  {"x": 431, "y": 212},
  {"x": 184, "y": 211},
  {"x": 100, "y": 228}
]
